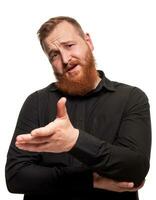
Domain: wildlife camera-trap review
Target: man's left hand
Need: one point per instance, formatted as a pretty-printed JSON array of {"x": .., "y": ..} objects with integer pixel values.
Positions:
[
  {"x": 58, "y": 136},
  {"x": 113, "y": 185}
]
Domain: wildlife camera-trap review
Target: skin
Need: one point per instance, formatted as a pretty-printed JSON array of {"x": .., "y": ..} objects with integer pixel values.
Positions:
[
  {"x": 61, "y": 46},
  {"x": 64, "y": 46},
  {"x": 112, "y": 185},
  {"x": 58, "y": 136}
]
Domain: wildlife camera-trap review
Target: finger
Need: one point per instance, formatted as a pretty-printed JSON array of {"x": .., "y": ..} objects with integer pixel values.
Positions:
[
  {"x": 125, "y": 184},
  {"x": 61, "y": 108},
  {"x": 31, "y": 147},
  {"x": 23, "y": 138},
  {"x": 133, "y": 189},
  {"x": 35, "y": 147},
  {"x": 44, "y": 131},
  {"x": 35, "y": 140},
  {"x": 137, "y": 188}
]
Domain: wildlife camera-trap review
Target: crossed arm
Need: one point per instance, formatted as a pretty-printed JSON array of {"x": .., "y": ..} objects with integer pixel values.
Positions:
[{"x": 60, "y": 136}]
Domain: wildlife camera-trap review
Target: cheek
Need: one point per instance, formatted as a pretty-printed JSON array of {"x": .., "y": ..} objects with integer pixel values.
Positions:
[
  {"x": 79, "y": 53},
  {"x": 57, "y": 66}
]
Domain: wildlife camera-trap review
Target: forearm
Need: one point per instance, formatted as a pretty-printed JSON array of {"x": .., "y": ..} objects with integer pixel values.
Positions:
[
  {"x": 33, "y": 179},
  {"x": 26, "y": 172},
  {"x": 110, "y": 160},
  {"x": 124, "y": 165}
]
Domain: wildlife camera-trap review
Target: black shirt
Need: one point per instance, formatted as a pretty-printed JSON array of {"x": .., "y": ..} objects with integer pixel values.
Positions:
[{"x": 114, "y": 141}]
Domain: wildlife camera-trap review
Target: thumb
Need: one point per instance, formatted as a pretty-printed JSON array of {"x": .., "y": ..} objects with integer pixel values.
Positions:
[{"x": 61, "y": 108}]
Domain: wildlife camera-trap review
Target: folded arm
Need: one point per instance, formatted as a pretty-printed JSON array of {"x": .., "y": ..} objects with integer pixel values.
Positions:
[{"x": 127, "y": 159}]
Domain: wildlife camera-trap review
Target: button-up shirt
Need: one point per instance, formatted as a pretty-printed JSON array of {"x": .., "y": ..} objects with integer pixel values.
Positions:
[{"x": 114, "y": 141}]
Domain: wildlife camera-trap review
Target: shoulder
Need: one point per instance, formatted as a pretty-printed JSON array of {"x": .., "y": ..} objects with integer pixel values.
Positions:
[
  {"x": 134, "y": 97},
  {"x": 43, "y": 91},
  {"x": 33, "y": 97},
  {"x": 122, "y": 90},
  {"x": 50, "y": 88},
  {"x": 128, "y": 90},
  {"x": 44, "y": 96}
]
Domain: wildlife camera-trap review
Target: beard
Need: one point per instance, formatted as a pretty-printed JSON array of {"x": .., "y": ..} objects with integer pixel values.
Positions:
[{"x": 78, "y": 85}]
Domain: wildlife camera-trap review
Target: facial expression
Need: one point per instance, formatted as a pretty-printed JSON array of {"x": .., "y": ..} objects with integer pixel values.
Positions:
[
  {"x": 65, "y": 48},
  {"x": 71, "y": 58}
]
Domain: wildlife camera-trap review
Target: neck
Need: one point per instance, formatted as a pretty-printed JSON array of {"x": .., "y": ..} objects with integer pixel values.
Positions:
[{"x": 97, "y": 82}]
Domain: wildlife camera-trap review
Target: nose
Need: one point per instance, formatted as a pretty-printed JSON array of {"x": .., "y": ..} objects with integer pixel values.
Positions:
[{"x": 65, "y": 57}]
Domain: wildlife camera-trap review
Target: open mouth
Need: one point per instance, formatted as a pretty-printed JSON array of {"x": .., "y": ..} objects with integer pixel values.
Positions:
[{"x": 71, "y": 67}]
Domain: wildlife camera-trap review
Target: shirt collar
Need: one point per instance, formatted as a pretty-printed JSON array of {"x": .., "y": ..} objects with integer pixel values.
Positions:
[{"x": 104, "y": 83}]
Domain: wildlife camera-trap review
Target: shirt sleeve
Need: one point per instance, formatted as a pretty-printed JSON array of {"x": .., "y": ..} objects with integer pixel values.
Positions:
[
  {"x": 25, "y": 174},
  {"x": 127, "y": 159}
]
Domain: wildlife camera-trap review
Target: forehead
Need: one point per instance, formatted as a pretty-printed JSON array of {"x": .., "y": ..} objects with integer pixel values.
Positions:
[{"x": 62, "y": 33}]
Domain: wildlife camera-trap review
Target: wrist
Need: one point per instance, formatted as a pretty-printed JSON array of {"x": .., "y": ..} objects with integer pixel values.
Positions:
[{"x": 73, "y": 139}]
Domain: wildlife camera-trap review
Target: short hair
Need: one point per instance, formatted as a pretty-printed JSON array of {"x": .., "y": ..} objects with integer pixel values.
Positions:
[{"x": 47, "y": 27}]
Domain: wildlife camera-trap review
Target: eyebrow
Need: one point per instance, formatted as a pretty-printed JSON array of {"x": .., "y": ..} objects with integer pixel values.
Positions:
[
  {"x": 67, "y": 42},
  {"x": 62, "y": 43}
]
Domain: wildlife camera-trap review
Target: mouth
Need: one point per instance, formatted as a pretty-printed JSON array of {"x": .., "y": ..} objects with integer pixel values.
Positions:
[
  {"x": 73, "y": 70},
  {"x": 71, "y": 67}
]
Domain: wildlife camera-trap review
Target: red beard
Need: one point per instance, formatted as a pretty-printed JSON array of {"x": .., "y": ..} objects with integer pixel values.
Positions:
[{"x": 79, "y": 85}]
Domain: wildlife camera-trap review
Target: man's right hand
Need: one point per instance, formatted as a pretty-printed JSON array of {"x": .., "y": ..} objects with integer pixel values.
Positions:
[{"x": 112, "y": 185}]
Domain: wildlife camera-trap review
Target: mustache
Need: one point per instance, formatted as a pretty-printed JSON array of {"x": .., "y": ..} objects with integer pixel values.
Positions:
[
  {"x": 70, "y": 65},
  {"x": 67, "y": 67}
]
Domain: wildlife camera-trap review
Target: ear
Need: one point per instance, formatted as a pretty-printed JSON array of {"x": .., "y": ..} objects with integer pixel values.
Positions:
[{"x": 89, "y": 41}]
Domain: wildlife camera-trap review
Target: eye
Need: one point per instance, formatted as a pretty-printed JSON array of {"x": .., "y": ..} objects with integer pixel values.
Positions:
[
  {"x": 53, "y": 56},
  {"x": 70, "y": 45}
]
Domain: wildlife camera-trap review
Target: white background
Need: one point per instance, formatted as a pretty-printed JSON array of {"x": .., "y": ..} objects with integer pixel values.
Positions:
[{"x": 124, "y": 36}]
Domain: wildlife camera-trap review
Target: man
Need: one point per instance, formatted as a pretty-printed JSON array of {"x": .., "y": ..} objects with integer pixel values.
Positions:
[{"x": 84, "y": 136}]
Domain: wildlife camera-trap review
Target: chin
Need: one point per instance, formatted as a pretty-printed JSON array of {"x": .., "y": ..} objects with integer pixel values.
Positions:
[{"x": 75, "y": 74}]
